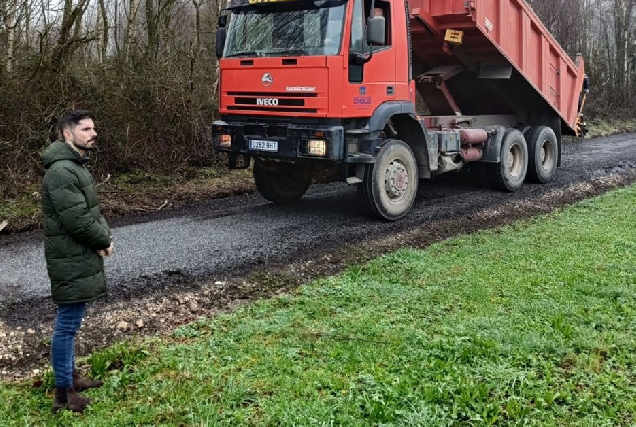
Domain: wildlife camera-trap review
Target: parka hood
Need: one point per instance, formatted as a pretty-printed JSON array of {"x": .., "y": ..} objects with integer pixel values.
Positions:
[{"x": 60, "y": 150}]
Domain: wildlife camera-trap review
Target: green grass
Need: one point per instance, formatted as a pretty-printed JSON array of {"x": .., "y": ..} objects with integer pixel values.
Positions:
[
  {"x": 532, "y": 324},
  {"x": 23, "y": 206},
  {"x": 601, "y": 127},
  {"x": 130, "y": 193},
  {"x": 187, "y": 178},
  {"x": 140, "y": 181}
]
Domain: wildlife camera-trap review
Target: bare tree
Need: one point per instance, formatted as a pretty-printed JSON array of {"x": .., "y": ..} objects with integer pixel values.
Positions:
[
  {"x": 26, "y": 7},
  {"x": 69, "y": 34},
  {"x": 623, "y": 29},
  {"x": 158, "y": 17},
  {"x": 131, "y": 28},
  {"x": 102, "y": 31},
  {"x": 11, "y": 24}
]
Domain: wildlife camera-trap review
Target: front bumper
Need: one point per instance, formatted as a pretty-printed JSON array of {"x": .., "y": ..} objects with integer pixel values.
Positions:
[{"x": 291, "y": 140}]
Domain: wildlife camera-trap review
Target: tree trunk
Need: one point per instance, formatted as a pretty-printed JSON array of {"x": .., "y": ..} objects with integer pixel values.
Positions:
[
  {"x": 217, "y": 70},
  {"x": 102, "y": 31},
  {"x": 158, "y": 17},
  {"x": 622, "y": 29},
  {"x": 197, "y": 26},
  {"x": 131, "y": 29},
  {"x": 27, "y": 24},
  {"x": 151, "y": 30},
  {"x": 12, "y": 23},
  {"x": 71, "y": 24},
  {"x": 196, "y": 50}
]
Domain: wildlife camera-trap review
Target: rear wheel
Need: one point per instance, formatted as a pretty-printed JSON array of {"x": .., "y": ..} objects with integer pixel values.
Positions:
[
  {"x": 543, "y": 152},
  {"x": 390, "y": 184},
  {"x": 510, "y": 172},
  {"x": 524, "y": 129},
  {"x": 281, "y": 183}
]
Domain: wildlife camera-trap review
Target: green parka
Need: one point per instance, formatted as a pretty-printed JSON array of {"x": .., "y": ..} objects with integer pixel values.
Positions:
[{"x": 74, "y": 228}]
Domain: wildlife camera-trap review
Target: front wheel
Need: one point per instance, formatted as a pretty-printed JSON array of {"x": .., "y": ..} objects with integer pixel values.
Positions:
[
  {"x": 509, "y": 173},
  {"x": 390, "y": 184},
  {"x": 281, "y": 183}
]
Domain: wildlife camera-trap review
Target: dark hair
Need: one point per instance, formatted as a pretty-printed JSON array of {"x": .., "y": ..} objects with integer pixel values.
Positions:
[{"x": 71, "y": 119}]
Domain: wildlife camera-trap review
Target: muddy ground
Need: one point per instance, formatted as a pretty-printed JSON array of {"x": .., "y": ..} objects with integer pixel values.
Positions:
[{"x": 150, "y": 305}]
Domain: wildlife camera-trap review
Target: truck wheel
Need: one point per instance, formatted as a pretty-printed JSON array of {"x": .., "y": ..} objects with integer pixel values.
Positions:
[
  {"x": 543, "y": 151},
  {"x": 280, "y": 184},
  {"x": 390, "y": 184},
  {"x": 260, "y": 180},
  {"x": 524, "y": 129},
  {"x": 508, "y": 175}
]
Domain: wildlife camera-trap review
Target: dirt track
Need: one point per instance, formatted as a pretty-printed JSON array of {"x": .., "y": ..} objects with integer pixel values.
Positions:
[{"x": 175, "y": 266}]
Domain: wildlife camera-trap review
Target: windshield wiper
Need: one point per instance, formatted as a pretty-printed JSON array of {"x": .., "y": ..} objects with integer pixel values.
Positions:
[
  {"x": 288, "y": 52},
  {"x": 244, "y": 53}
]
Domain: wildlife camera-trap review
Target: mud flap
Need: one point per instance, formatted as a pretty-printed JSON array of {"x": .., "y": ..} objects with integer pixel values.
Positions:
[{"x": 239, "y": 161}]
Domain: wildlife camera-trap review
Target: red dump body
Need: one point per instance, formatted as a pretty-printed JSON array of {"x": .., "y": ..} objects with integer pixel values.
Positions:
[{"x": 496, "y": 34}]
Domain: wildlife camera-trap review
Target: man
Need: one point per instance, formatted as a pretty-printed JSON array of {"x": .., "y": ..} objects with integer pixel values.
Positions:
[{"x": 76, "y": 239}]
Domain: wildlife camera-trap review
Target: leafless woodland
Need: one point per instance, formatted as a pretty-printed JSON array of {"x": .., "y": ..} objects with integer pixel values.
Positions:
[{"x": 147, "y": 69}]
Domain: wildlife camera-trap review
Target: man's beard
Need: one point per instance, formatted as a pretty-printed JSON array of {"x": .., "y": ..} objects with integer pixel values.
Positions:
[{"x": 87, "y": 147}]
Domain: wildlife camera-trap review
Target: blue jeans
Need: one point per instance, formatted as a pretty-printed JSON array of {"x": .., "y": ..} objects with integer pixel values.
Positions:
[{"x": 68, "y": 322}]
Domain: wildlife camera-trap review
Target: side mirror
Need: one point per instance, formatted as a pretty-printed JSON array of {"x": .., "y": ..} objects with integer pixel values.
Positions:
[
  {"x": 220, "y": 41},
  {"x": 358, "y": 58},
  {"x": 222, "y": 21},
  {"x": 376, "y": 30}
]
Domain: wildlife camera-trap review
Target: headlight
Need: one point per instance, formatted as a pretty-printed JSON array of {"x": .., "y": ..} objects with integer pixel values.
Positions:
[
  {"x": 317, "y": 147},
  {"x": 223, "y": 141}
]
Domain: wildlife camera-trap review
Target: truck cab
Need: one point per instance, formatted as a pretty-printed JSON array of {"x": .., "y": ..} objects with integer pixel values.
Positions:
[{"x": 326, "y": 90}]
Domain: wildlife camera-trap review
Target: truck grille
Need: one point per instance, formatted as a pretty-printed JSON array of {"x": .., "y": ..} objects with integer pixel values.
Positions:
[
  {"x": 282, "y": 102},
  {"x": 276, "y": 94},
  {"x": 266, "y": 130}
]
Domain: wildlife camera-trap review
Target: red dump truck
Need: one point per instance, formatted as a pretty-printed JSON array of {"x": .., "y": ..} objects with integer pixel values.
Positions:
[{"x": 381, "y": 94}]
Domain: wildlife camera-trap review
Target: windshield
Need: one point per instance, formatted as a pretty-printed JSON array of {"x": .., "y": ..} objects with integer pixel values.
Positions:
[{"x": 286, "y": 29}]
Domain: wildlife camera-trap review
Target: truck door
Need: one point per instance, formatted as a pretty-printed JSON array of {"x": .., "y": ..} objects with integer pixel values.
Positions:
[{"x": 372, "y": 83}]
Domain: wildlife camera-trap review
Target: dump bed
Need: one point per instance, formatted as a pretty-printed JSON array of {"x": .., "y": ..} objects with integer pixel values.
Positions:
[{"x": 510, "y": 63}]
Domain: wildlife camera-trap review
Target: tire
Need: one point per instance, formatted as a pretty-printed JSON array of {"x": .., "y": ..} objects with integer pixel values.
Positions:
[
  {"x": 260, "y": 180},
  {"x": 281, "y": 184},
  {"x": 510, "y": 172},
  {"x": 364, "y": 196},
  {"x": 524, "y": 130},
  {"x": 390, "y": 184},
  {"x": 543, "y": 153}
]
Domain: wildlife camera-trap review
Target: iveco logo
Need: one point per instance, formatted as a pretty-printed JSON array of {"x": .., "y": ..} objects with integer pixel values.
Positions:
[
  {"x": 267, "y": 79},
  {"x": 266, "y": 101}
]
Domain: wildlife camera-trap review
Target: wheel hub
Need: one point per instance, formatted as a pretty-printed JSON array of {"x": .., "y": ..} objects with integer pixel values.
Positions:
[
  {"x": 514, "y": 161},
  {"x": 397, "y": 180},
  {"x": 547, "y": 155},
  {"x": 543, "y": 154}
]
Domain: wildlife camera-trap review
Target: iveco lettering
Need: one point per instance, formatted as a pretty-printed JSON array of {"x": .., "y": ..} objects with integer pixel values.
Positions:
[{"x": 266, "y": 101}]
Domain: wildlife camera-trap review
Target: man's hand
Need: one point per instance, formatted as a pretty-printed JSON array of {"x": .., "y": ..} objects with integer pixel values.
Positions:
[{"x": 106, "y": 252}]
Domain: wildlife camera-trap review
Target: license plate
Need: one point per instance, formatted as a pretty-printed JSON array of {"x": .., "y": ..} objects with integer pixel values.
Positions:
[{"x": 262, "y": 145}]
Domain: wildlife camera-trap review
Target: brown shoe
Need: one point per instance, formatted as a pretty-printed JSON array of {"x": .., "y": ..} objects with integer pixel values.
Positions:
[
  {"x": 81, "y": 383},
  {"x": 69, "y": 399}
]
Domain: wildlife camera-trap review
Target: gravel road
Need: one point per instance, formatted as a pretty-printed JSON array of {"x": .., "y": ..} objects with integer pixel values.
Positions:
[{"x": 194, "y": 261}]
